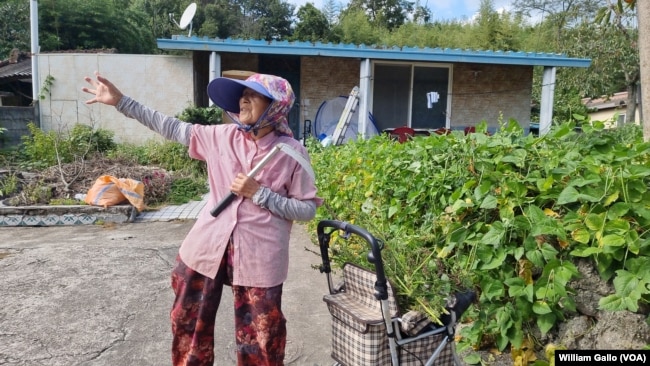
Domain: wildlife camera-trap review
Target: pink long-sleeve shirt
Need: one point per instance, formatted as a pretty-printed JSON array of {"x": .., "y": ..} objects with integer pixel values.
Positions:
[{"x": 260, "y": 239}]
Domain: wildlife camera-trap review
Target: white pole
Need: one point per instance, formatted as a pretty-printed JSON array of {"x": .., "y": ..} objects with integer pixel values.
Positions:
[
  {"x": 364, "y": 99},
  {"x": 546, "y": 109},
  {"x": 215, "y": 69},
  {"x": 33, "y": 11}
]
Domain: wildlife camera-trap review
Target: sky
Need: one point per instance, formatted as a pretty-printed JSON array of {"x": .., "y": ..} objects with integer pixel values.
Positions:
[{"x": 440, "y": 9}]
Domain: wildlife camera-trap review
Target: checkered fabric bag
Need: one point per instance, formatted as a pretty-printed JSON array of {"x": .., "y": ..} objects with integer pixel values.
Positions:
[
  {"x": 358, "y": 331},
  {"x": 416, "y": 353}
]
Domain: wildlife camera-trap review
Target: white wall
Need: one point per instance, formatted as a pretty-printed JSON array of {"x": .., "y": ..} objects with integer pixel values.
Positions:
[
  {"x": 161, "y": 82},
  {"x": 610, "y": 116}
]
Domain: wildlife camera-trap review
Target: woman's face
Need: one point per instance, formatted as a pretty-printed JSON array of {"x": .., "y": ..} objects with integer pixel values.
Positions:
[{"x": 251, "y": 106}]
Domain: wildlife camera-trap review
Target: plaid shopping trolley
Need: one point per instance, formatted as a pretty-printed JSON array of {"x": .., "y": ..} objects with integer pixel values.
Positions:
[{"x": 367, "y": 328}]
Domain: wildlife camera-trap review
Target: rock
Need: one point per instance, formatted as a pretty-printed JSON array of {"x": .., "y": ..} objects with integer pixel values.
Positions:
[
  {"x": 589, "y": 289},
  {"x": 593, "y": 328}
]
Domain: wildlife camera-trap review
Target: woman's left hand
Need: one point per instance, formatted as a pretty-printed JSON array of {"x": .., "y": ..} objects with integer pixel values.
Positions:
[{"x": 244, "y": 186}]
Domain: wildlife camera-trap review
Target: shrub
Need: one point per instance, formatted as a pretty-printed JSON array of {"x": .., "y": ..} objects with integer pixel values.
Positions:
[
  {"x": 184, "y": 190},
  {"x": 505, "y": 214},
  {"x": 173, "y": 156},
  {"x": 44, "y": 149},
  {"x": 9, "y": 184},
  {"x": 202, "y": 116},
  {"x": 40, "y": 147},
  {"x": 84, "y": 139}
]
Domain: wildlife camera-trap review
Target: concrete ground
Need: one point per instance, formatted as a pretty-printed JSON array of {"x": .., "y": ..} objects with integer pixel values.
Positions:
[{"x": 96, "y": 295}]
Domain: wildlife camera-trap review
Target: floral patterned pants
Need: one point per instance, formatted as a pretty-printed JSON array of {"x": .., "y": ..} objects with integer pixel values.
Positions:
[{"x": 260, "y": 326}]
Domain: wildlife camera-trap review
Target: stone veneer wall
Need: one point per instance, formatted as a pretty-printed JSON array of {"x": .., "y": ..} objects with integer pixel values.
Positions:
[{"x": 15, "y": 120}]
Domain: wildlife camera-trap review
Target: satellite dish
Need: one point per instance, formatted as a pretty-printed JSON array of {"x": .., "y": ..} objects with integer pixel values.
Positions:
[
  {"x": 188, "y": 14},
  {"x": 186, "y": 18}
]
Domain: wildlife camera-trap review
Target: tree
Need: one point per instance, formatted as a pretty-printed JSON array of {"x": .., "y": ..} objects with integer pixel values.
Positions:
[
  {"x": 388, "y": 14},
  {"x": 92, "y": 24},
  {"x": 157, "y": 15},
  {"x": 331, "y": 10},
  {"x": 312, "y": 24},
  {"x": 422, "y": 14},
  {"x": 560, "y": 13},
  {"x": 617, "y": 14},
  {"x": 222, "y": 19},
  {"x": 265, "y": 19},
  {"x": 14, "y": 29},
  {"x": 354, "y": 27},
  {"x": 494, "y": 30}
]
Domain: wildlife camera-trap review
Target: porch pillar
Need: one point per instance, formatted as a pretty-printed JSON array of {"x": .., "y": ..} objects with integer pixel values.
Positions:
[
  {"x": 364, "y": 89},
  {"x": 215, "y": 69},
  {"x": 546, "y": 109}
]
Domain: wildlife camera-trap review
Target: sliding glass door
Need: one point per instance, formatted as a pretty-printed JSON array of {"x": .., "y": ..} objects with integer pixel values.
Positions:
[{"x": 410, "y": 95}]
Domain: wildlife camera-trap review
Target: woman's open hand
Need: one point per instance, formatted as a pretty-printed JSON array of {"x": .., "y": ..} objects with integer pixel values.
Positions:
[{"x": 105, "y": 92}]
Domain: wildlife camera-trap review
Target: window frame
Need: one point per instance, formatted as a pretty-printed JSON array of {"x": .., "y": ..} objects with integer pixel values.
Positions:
[{"x": 413, "y": 66}]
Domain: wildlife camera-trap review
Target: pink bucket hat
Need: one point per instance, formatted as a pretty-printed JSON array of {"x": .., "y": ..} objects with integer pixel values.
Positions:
[{"x": 226, "y": 92}]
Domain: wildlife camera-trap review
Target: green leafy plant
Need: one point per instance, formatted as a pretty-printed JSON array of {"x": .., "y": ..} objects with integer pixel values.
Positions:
[
  {"x": 46, "y": 88},
  {"x": 39, "y": 147},
  {"x": 33, "y": 193},
  {"x": 9, "y": 184},
  {"x": 187, "y": 189},
  {"x": 507, "y": 214},
  {"x": 202, "y": 116},
  {"x": 173, "y": 156},
  {"x": 83, "y": 140},
  {"x": 44, "y": 149}
]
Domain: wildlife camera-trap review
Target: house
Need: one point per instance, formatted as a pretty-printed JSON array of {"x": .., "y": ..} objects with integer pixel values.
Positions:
[
  {"x": 610, "y": 110},
  {"x": 16, "y": 79},
  {"x": 422, "y": 88},
  {"x": 16, "y": 108}
]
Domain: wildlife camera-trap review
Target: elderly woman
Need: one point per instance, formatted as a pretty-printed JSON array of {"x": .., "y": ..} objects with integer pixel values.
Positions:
[{"x": 247, "y": 245}]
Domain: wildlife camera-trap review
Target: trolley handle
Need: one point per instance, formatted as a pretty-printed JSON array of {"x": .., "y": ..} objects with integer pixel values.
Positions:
[{"x": 374, "y": 256}]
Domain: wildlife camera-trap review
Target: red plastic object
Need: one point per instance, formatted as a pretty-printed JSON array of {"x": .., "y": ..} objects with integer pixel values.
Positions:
[{"x": 402, "y": 134}]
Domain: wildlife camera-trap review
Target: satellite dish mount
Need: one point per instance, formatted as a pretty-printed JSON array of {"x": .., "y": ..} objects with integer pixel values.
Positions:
[{"x": 186, "y": 18}]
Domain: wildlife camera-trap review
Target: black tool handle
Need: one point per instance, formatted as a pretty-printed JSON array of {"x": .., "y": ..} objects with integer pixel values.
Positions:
[
  {"x": 231, "y": 197},
  {"x": 223, "y": 204}
]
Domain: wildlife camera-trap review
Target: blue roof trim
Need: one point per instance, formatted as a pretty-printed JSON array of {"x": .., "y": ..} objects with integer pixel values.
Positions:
[{"x": 371, "y": 52}]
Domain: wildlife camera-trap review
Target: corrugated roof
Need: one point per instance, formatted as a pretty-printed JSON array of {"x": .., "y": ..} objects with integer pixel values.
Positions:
[
  {"x": 371, "y": 52},
  {"x": 16, "y": 71},
  {"x": 618, "y": 100}
]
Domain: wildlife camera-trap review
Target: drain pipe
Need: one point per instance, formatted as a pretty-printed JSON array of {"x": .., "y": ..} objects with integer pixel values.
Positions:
[{"x": 33, "y": 12}]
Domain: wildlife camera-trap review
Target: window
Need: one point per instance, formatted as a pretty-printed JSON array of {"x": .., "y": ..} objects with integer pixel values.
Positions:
[{"x": 410, "y": 95}]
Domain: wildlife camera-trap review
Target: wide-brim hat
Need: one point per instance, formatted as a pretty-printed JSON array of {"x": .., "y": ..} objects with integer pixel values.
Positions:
[{"x": 226, "y": 92}]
